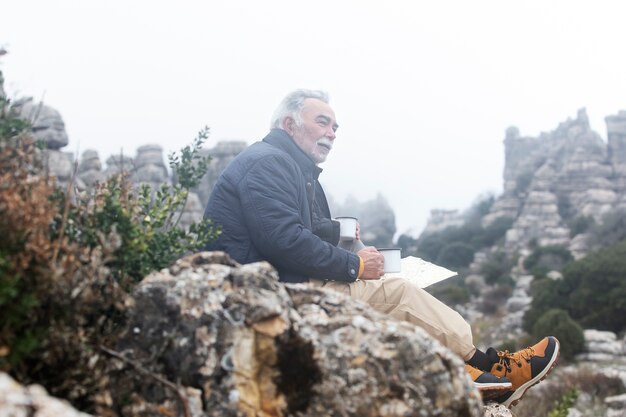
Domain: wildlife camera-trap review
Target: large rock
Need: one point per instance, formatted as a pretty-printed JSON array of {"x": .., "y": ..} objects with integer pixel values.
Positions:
[
  {"x": 233, "y": 341},
  {"x": 47, "y": 123}
]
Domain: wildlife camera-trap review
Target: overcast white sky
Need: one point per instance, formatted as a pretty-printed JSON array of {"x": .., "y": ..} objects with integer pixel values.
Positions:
[{"x": 423, "y": 91}]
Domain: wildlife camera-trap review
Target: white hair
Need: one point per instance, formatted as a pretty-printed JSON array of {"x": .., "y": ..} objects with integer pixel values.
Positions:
[{"x": 292, "y": 104}]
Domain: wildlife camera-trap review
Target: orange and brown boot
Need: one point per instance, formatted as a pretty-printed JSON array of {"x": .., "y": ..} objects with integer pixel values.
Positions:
[{"x": 524, "y": 368}]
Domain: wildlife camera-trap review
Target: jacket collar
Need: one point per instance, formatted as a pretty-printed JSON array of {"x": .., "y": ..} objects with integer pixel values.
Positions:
[{"x": 280, "y": 139}]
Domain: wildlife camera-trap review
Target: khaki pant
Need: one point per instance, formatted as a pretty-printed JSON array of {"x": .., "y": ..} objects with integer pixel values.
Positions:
[{"x": 403, "y": 300}]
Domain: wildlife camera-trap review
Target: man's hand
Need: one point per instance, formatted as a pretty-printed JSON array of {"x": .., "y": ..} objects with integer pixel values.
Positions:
[
  {"x": 358, "y": 231},
  {"x": 373, "y": 263}
]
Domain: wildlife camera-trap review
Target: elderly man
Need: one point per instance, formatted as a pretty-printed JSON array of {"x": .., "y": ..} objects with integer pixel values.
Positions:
[{"x": 271, "y": 207}]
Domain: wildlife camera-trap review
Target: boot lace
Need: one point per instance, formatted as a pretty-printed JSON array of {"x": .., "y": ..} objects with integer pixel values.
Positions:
[{"x": 506, "y": 357}]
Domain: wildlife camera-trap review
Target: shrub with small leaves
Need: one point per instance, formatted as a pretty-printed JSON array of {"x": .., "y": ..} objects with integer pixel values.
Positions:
[
  {"x": 566, "y": 402},
  {"x": 68, "y": 263},
  {"x": 559, "y": 324}
]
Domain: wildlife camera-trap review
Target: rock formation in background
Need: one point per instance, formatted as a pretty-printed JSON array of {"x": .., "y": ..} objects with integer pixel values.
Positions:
[
  {"x": 147, "y": 166},
  {"x": 440, "y": 219},
  {"x": 554, "y": 179}
]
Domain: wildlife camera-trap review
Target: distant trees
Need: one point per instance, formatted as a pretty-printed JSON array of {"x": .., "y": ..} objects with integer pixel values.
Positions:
[
  {"x": 455, "y": 246},
  {"x": 592, "y": 291}
]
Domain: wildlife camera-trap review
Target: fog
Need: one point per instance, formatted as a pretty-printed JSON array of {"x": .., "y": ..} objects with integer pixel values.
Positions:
[{"x": 423, "y": 92}]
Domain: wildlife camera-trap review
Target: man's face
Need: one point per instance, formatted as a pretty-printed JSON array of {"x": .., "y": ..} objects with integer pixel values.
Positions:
[{"x": 316, "y": 133}]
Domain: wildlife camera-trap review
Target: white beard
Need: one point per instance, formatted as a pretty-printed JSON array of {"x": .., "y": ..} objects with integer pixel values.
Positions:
[{"x": 325, "y": 142}]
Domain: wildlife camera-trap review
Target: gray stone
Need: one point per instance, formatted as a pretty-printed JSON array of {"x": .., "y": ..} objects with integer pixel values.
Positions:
[
  {"x": 518, "y": 303},
  {"x": 151, "y": 174},
  {"x": 554, "y": 275},
  {"x": 253, "y": 346},
  {"x": 601, "y": 336},
  {"x": 616, "y": 401},
  {"x": 117, "y": 164},
  {"x": 149, "y": 155},
  {"x": 59, "y": 164},
  {"x": 523, "y": 282},
  {"x": 47, "y": 123},
  {"x": 89, "y": 161},
  {"x": 497, "y": 410}
]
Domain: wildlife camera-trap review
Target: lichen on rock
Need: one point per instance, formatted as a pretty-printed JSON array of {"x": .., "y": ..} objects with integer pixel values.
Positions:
[{"x": 245, "y": 344}]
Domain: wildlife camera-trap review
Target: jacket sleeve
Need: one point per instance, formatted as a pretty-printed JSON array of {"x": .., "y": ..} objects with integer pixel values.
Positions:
[
  {"x": 326, "y": 229},
  {"x": 273, "y": 199}
]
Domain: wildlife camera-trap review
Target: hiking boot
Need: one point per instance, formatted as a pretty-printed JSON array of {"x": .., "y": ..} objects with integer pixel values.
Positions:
[
  {"x": 485, "y": 381},
  {"x": 524, "y": 368}
]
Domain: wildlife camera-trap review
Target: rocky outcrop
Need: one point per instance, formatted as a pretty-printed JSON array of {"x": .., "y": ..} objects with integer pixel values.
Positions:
[
  {"x": 557, "y": 177},
  {"x": 616, "y": 135},
  {"x": 616, "y": 406},
  {"x": 441, "y": 219},
  {"x": 604, "y": 347},
  {"x": 32, "y": 401},
  {"x": 233, "y": 341},
  {"x": 47, "y": 123},
  {"x": 553, "y": 180},
  {"x": 147, "y": 166}
]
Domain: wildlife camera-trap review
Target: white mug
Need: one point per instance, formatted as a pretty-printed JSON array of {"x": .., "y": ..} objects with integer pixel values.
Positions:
[
  {"x": 347, "y": 229},
  {"x": 392, "y": 259}
]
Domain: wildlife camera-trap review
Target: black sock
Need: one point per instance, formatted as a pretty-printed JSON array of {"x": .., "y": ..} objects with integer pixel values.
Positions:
[{"x": 481, "y": 361}]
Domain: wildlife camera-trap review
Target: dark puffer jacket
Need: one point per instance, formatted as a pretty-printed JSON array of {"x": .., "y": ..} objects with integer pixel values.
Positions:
[{"x": 265, "y": 203}]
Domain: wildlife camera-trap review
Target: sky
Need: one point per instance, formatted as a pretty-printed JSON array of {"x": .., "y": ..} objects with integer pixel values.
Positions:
[{"x": 423, "y": 91}]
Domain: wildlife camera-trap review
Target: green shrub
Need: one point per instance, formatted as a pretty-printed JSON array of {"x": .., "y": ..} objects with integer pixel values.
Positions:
[
  {"x": 496, "y": 268},
  {"x": 145, "y": 222},
  {"x": 596, "y": 289},
  {"x": 408, "y": 245},
  {"x": 455, "y": 255},
  {"x": 558, "y": 323},
  {"x": 611, "y": 230},
  {"x": 495, "y": 231},
  {"x": 429, "y": 246},
  {"x": 548, "y": 258},
  {"x": 451, "y": 291},
  {"x": 580, "y": 225},
  {"x": 494, "y": 299},
  {"x": 567, "y": 401},
  {"x": 547, "y": 294}
]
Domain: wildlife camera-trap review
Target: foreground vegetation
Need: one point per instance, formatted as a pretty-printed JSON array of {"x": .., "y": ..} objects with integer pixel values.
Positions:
[{"x": 69, "y": 260}]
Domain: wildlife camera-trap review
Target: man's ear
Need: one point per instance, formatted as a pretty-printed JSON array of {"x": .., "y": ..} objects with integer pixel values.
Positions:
[{"x": 289, "y": 125}]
